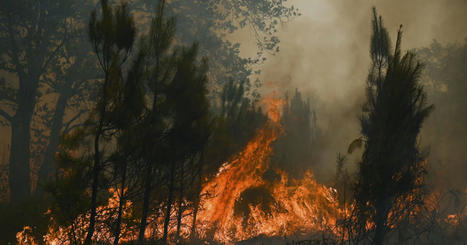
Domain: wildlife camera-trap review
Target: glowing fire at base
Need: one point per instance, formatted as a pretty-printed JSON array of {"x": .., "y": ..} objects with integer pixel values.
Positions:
[
  {"x": 284, "y": 207},
  {"x": 237, "y": 204}
]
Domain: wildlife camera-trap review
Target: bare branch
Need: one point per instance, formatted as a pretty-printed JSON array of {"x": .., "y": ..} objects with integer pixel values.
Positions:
[
  {"x": 68, "y": 126},
  {"x": 5, "y": 115},
  {"x": 54, "y": 53},
  {"x": 67, "y": 130}
]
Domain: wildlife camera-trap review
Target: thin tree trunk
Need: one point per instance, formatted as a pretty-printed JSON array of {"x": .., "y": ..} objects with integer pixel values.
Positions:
[
  {"x": 120, "y": 205},
  {"x": 97, "y": 162},
  {"x": 146, "y": 198},
  {"x": 180, "y": 202},
  {"x": 147, "y": 184},
  {"x": 198, "y": 198},
  {"x": 195, "y": 213},
  {"x": 156, "y": 218},
  {"x": 95, "y": 179},
  {"x": 380, "y": 222},
  {"x": 169, "y": 203}
]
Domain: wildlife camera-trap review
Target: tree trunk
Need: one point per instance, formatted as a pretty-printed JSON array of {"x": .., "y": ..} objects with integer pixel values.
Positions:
[
  {"x": 95, "y": 184},
  {"x": 19, "y": 172},
  {"x": 195, "y": 213},
  {"x": 198, "y": 198},
  {"x": 120, "y": 205},
  {"x": 180, "y": 202},
  {"x": 47, "y": 167},
  {"x": 97, "y": 161},
  {"x": 19, "y": 178},
  {"x": 382, "y": 212},
  {"x": 146, "y": 199},
  {"x": 147, "y": 184},
  {"x": 169, "y": 203}
]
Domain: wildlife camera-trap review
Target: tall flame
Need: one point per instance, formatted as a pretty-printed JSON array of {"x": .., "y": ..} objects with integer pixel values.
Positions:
[
  {"x": 296, "y": 205},
  {"x": 237, "y": 204}
]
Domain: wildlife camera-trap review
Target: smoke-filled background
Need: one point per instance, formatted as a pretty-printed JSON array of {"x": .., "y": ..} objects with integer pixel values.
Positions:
[
  {"x": 319, "y": 70},
  {"x": 325, "y": 54}
]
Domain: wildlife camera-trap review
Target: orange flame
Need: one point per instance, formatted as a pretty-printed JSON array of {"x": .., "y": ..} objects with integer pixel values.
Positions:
[
  {"x": 237, "y": 204},
  {"x": 297, "y": 205}
]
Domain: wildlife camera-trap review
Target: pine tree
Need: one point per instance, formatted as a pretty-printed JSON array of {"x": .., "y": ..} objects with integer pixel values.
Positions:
[
  {"x": 160, "y": 65},
  {"x": 189, "y": 110},
  {"x": 391, "y": 166},
  {"x": 293, "y": 150},
  {"x": 112, "y": 37}
]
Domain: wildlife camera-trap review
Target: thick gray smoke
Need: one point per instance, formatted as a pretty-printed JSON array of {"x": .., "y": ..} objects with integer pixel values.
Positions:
[{"x": 325, "y": 53}]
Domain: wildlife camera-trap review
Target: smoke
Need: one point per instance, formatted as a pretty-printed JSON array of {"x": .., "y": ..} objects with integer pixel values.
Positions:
[{"x": 325, "y": 54}]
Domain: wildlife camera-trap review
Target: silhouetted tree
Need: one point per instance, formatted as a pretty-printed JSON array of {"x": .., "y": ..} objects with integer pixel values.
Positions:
[
  {"x": 33, "y": 35},
  {"x": 73, "y": 85},
  {"x": 130, "y": 114},
  {"x": 70, "y": 184},
  {"x": 391, "y": 167},
  {"x": 221, "y": 18},
  {"x": 160, "y": 63},
  {"x": 380, "y": 48},
  {"x": 187, "y": 95},
  {"x": 112, "y": 34},
  {"x": 294, "y": 148},
  {"x": 240, "y": 114}
]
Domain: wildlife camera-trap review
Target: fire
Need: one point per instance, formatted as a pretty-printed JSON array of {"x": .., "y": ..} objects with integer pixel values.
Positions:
[
  {"x": 75, "y": 233},
  {"x": 294, "y": 205},
  {"x": 237, "y": 204},
  {"x": 244, "y": 171},
  {"x": 286, "y": 206}
]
